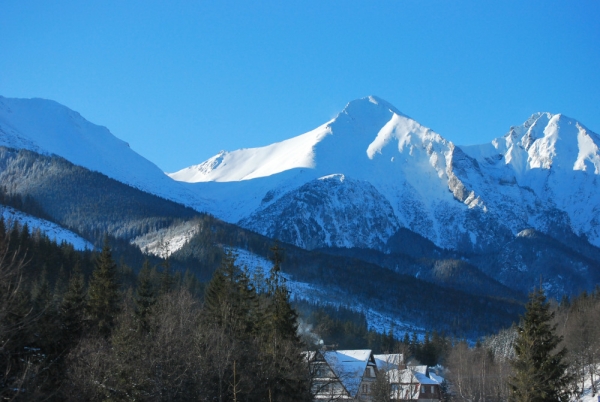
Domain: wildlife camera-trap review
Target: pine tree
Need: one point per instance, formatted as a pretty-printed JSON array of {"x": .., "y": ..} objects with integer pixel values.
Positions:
[
  {"x": 104, "y": 300},
  {"x": 72, "y": 308},
  {"x": 282, "y": 316},
  {"x": 230, "y": 298},
  {"x": 283, "y": 377},
  {"x": 539, "y": 370},
  {"x": 145, "y": 297}
]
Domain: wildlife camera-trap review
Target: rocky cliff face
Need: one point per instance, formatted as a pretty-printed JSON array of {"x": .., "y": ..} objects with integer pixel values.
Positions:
[{"x": 331, "y": 211}]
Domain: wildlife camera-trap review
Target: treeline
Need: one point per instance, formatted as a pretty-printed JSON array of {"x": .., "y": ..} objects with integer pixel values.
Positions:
[
  {"x": 25, "y": 204},
  {"x": 97, "y": 337}
]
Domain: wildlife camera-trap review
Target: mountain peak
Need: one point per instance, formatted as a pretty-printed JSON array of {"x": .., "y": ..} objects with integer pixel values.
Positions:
[{"x": 360, "y": 108}]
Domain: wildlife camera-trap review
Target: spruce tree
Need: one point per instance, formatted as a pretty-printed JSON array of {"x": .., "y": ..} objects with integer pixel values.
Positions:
[
  {"x": 230, "y": 298},
  {"x": 166, "y": 278},
  {"x": 103, "y": 294},
  {"x": 281, "y": 315},
  {"x": 145, "y": 296},
  {"x": 284, "y": 375},
  {"x": 539, "y": 369},
  {"x": 72, "y": 308}
]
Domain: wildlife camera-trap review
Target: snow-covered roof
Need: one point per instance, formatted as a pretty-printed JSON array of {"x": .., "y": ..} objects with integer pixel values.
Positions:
[
  {"x": 387, "y": 362},
  {"x": 436, "y": 377},
  {"x": 349, "y": 366},
  {"x": 424, "y": 380},
  {"x": 410, "y": 376},
  {"x": 419, "y": 369}
]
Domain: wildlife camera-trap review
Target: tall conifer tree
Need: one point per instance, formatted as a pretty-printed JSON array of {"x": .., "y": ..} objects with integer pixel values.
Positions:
[
  {"x": 103, "y": 300},
  {"x": 539, "y": 369},
  {"x": 72, "y": 308},
  {"x": 145, "y": 296}
]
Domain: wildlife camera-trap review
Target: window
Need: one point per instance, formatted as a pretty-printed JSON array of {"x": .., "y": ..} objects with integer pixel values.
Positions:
[
  {"x": 422, "y": 389},
  {"x": 365, "y": 388},
  {"x": 432, "y": 389},
  {"x": 370, "y": 372}
]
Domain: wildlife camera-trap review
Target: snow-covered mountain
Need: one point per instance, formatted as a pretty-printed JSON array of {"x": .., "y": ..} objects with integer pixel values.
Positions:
[
  {"x": 49, "y": 128},
  {"x": 398, "y": 173},
  {"x": 359, "y": 178},
  {"x": 543, "y": 174}
]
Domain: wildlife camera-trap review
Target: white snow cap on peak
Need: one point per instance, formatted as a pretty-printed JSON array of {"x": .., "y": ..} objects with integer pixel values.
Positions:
[
  {"x": 348, "y": 135},
  {"x": 336, "y": 177},
  {"x": 545, "y": 141},
  {"x": 370, "y": 108},
  {"x": 367, "y": 102}
]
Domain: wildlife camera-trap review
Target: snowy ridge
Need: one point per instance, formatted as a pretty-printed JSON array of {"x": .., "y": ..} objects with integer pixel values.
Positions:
[
  {"x": 52, "y": 230},
  {"x": 468, "y": 198},
  {"x": 246, "y": 164},
  {"x": 550, "y": 163},
  {"x": 46, "y": 127},
  {"x": 370, "y": 143}
]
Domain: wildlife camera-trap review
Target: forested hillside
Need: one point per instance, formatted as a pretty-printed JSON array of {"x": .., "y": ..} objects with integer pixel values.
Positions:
[
  {"x": 88, "y": 202},
  {"x": 403, "y": 296}
]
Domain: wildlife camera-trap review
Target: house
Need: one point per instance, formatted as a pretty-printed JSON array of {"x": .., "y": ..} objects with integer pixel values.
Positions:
[
  {"x": 387, "y": 362},
  {"x": 342, "y": 374},
  {"x": 414, "y": 383},
  {"x": 408, "y": 383}
]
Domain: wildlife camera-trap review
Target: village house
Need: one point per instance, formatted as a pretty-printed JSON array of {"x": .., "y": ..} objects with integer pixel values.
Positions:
[
  {"x": 346, "y": 375},
  {"x": 408, "y": 382}
]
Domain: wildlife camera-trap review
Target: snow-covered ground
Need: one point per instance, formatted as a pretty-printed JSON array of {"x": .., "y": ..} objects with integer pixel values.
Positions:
[
  {"x": 167, "y": 241},
  {"x": 49, "y": 128},
  {"x": 52, "y": 230},
  {"x": 587, "y": 394}
]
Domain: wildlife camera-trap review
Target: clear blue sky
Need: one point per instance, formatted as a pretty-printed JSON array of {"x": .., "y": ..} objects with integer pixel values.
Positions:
[{"x": 181, "y": 80}]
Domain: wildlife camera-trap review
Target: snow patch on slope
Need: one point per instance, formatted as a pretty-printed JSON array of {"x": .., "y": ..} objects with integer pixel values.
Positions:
[
  {"x": 166, "y": 241},
  {"x": 50, "y": 229}
]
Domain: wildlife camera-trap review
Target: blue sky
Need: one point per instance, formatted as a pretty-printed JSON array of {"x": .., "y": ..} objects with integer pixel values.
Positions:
[{"x": 182, "y": 80}]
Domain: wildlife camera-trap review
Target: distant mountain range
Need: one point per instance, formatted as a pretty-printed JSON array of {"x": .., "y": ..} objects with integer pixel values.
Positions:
[{"x": 524, "y": 206}]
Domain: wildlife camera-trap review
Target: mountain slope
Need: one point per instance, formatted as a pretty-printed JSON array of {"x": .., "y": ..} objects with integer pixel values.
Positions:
[
  {"x": 85, "y": 201},
  {"x": 46, "y": 127},
  {"x": 52, "y": 230},
  {"x": 368, "y": 142},
  {"x": 547, "y": 173},
  {"x": 473, "y": 199}
]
